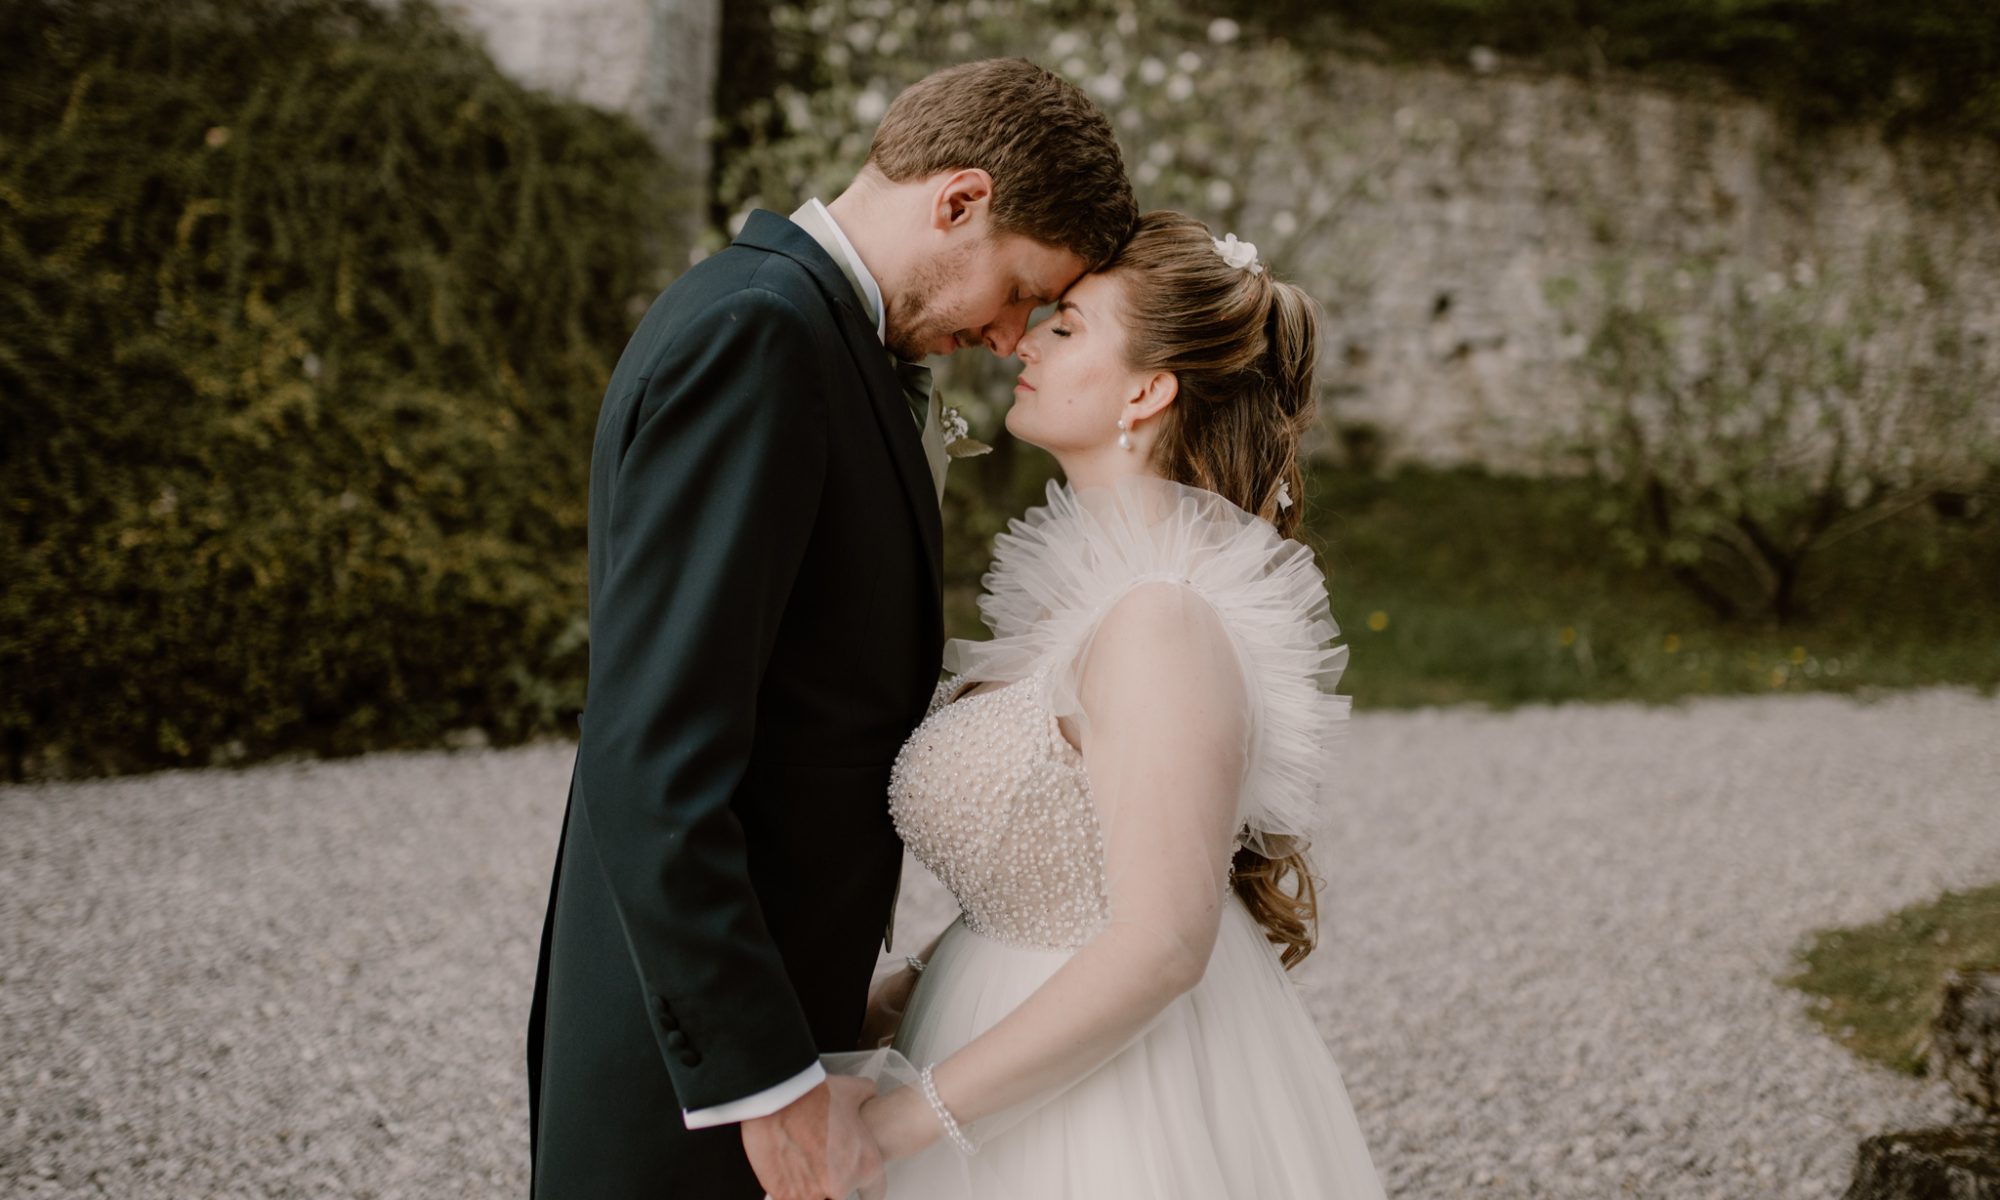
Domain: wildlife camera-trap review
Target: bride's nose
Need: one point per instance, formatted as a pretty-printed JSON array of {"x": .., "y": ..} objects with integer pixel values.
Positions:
[{"x": 1025, "y": 349}]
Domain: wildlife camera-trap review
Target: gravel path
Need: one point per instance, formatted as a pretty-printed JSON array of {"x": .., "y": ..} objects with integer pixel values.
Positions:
[{"x": 1547, "y": 972}]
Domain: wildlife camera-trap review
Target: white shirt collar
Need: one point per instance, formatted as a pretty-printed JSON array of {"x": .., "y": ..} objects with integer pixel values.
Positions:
[{"x": 859, "y": 268}]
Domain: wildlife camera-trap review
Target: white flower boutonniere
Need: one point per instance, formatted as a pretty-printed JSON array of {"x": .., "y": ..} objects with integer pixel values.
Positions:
[{"x": 957, "y": 443}]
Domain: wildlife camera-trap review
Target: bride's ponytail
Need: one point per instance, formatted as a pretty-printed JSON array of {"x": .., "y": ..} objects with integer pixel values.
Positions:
[
  {"x": 1243, "y": 348},
  {"x": 1290, "y": 362}
]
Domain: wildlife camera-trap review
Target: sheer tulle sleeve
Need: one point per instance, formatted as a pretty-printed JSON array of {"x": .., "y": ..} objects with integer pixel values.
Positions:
[{"x": 1164, "y": 724}]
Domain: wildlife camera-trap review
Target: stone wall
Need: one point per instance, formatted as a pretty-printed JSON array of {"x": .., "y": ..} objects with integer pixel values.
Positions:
[
  {"x": 1447, "y": 208},
  {"x": 1460, "y": 197}
]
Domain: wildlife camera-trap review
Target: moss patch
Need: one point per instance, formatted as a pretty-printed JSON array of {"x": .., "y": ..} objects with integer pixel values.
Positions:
[{"x": 1875, "y": 987}]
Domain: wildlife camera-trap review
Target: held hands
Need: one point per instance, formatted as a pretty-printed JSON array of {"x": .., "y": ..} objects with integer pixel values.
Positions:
[
  {"x": 818, "y": 1147},
  {"x": 836, "y": 1139}
]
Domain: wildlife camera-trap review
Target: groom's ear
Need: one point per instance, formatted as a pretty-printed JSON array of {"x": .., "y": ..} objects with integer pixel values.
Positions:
[{"x": 961, "y": 200}]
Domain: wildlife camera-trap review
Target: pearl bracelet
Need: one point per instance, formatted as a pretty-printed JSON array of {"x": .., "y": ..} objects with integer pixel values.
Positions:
[
  {"x": 951, "y": 1129},
  {"x": 916, "y": 964}
]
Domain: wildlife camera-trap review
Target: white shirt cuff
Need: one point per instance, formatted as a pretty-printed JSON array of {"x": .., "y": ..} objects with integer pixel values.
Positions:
[{"x": 758, "y": 1104}]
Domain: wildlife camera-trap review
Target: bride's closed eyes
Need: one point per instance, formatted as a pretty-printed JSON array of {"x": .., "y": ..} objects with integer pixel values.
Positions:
[
  {"x": 1063, "y": 310},
  {"x": 1053, "y": 323}
]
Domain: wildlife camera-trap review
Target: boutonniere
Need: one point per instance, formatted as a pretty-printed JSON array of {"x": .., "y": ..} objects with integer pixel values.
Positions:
[{"x": 956, "y": 442}]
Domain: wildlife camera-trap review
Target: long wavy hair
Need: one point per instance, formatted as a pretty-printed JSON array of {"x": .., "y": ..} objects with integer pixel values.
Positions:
[{"x": 1243, "y": 347}]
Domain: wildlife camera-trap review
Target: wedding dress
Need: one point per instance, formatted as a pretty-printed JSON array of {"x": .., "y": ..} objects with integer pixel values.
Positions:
[{"x": 1110, "y": 1021}]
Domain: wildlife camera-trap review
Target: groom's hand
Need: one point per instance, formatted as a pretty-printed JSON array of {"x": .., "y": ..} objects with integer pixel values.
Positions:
[{"x": 817, "y": 1147}]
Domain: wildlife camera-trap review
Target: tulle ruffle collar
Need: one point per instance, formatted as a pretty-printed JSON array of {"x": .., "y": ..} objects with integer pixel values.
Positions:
[{"x": 1061, "y": 566}]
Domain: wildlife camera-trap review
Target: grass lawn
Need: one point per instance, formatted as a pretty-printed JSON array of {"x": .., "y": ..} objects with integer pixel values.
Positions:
[
  {"x": 1459, "y": 586},
  {"x": 1875, "y": 988}
]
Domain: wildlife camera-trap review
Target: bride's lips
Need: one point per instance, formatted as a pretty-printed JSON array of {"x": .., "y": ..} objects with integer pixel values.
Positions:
[{"x": 1022, "y": 385}]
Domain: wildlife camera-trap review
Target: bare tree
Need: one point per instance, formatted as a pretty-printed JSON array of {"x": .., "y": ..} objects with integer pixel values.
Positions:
[{"x": 1749, "y": 421}]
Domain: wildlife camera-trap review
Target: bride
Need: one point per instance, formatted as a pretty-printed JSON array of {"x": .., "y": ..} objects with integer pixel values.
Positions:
[{"x": 1119, "y": 786}]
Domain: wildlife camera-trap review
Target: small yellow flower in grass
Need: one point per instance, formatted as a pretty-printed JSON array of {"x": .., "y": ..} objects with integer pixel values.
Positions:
[
  {"x": 1378, "y": 620},
  {"x": 1568, "y": 635},
  {"x": 1798, "y": 655},
  {"x": 1778, "y": 676},
  {"x": 1672, "y": 644}
]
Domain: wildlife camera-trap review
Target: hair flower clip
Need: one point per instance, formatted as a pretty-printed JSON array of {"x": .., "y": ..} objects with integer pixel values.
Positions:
[
  {"x": 1284, "y": 495},
  {"x": 1241, "y": 255}
]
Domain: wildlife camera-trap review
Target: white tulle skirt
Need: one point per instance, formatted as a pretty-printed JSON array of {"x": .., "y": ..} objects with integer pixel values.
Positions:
[{"x": 1229, "y": 1095}]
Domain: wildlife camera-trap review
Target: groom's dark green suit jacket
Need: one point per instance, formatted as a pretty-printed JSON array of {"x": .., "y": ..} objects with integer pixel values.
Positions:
[{"x": 764, "y": 633}]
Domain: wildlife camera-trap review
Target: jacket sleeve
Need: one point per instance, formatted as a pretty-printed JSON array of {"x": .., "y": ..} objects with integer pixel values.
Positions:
[{"x": 712, "y": 506}]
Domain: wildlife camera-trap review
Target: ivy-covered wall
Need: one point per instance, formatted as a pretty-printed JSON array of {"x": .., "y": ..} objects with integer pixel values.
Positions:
[{"x": 305, "y": 314}]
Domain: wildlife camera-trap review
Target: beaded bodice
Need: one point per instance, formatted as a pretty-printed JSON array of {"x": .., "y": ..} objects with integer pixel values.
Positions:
[{"x": 990, "y": 796}]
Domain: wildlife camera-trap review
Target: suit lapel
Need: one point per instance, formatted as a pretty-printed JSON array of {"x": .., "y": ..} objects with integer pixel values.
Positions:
[
  {"x": 906, "y": 441},
  {"x": 769, "y": 231}
]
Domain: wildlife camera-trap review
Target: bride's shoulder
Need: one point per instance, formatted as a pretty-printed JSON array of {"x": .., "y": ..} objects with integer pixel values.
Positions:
[{"x": 1139, "y": 552}]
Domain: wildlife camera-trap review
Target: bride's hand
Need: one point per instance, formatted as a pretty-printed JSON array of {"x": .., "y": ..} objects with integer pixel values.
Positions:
[
  {"x": 887, "y": 1001},
  {"x": 901, "y": 1121}
]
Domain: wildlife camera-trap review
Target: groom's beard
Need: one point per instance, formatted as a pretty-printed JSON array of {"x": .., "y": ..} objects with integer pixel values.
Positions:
[{"x": 913, "y": 328}]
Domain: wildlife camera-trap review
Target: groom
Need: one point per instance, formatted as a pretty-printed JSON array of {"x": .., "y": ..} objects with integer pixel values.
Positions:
[{"x": 765, "y": 632}]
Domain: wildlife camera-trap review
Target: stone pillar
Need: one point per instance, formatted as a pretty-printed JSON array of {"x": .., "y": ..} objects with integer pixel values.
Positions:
[
  {"x": 679, "y": 101},
  {"x": 654, "y": 60}
]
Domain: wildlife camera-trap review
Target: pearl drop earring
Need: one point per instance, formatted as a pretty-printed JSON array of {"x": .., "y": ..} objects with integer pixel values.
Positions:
[{"x": 1124, "y": 438}]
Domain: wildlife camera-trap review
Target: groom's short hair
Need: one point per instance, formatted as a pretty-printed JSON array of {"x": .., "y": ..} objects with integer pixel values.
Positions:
[{"x": 1057, "y": 174}]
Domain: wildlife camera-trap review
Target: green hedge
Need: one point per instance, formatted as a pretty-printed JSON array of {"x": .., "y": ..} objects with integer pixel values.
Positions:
[{"x": 305, "y": 315}]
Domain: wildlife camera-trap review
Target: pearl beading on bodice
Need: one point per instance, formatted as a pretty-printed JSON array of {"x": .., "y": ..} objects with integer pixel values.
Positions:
[{"x": 990, "y": 796}]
